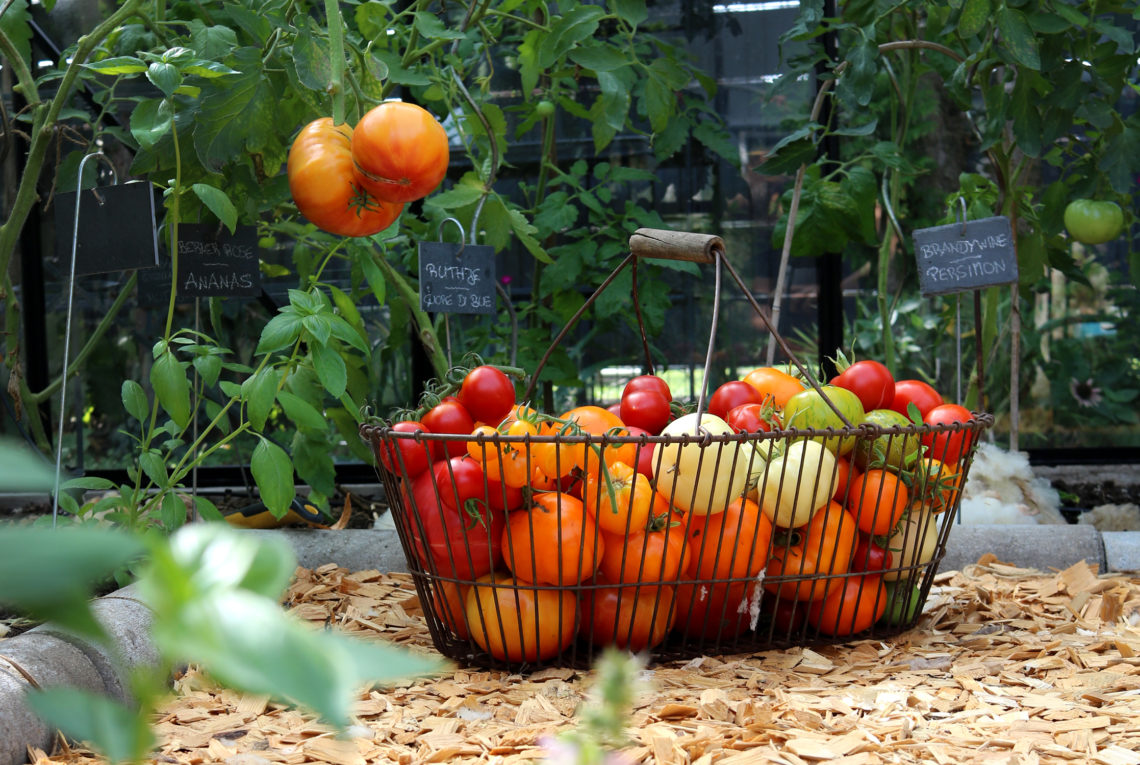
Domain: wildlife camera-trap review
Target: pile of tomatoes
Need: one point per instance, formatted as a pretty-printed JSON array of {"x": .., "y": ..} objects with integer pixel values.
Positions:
[{"x": 624, "y": 524}]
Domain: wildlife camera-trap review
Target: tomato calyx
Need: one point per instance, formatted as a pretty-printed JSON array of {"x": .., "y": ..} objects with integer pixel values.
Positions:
[{"x": 478, "y": 513}]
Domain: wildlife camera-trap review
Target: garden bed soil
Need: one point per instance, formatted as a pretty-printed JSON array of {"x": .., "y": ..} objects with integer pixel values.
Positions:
[{"x": 1007, "y": 665}]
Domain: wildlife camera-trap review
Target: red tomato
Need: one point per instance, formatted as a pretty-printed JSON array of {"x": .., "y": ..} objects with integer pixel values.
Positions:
[
  {"x": 406, "y": 457},
  {"x": 752, "y": 418},
  {"x": 449, "y": 416},
  {"x": 514, "y": 621},
  {"x": 732, "y": 394},
  {"x": 648, "y": 382},
  {"x": 554, "y": 542},
  {"x": 463, "y": 542},
  {"x": 631, "y": 618},
  {"x": 646, "y": 409},
  {"x": 400, "y": 151},
  {"x": 488, "y": 394},
  {"x": 716, "y": 612},
  {"x": 870, "y": 556},
  {"x": 644, "y": 453},
  {"x": 461, "y": 482},
  {"x": 922, "y": 395},
  {"x": 947, "y": 447},
  {"x": 324, "y": 186},
  {"x": 852, "y": 605},
  {"x": 871, "y": 381}
]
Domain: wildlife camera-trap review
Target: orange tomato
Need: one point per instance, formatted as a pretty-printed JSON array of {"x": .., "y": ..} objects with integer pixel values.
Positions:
[
  {"x": 937, "y": 485},
  {"x": 877, "y": 498},
  {"x": 730, "y": 545},
  {"x": 806, "y": 555},
  {"x": 852, "y": 605},
  {"x": 400, "y": 151},
  {"x": 620, "y": 499},
  {"x": 515, "y": 621},
  {"x": 775, "y": 384},
  {"x": 631, "y": 618},
  {"x": 557, "y": 460},
  {"x": 649, "y": 556},
  {"x": 451, "y": 606},
  {"x": 554, "y": 542}
]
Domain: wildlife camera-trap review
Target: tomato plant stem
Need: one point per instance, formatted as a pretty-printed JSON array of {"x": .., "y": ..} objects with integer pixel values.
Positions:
[{"x": 336, "y": 59}]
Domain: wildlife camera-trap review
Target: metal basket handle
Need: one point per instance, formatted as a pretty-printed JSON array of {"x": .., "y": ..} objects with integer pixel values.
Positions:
[{"x": 695, "y": 248}]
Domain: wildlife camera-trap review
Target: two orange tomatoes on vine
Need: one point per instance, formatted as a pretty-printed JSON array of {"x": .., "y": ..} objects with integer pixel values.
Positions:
[{"x": 356, "y": 181}]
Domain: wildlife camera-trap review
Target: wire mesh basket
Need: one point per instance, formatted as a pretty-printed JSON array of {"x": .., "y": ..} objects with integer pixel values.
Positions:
[{"x": 737, "y": 542}]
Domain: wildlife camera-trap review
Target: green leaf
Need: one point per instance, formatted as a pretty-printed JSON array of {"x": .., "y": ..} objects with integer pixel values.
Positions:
[
  {"x": 1017, "y": 37},
  {"x": 134, "y": 400},
  {"x": 260, "y": 391},
  {"x": 331, "y": 369},
  {"x": 375, "y": 278},
  {"x": 150, "y": 121},
  {"x": 346, "y": 332},
  {"x": 208, "y": 366},
  {"x": 168, "y": 378},
  {"x": 301, "y": 412},
  {"x": 273, "y": 472},
  {"x": 154, "y": 467},
  {"x": 173, "y": 511},
  {"x": 860, "y": 78},
  {"x": 237, "y": 114},
  {"x": 318, "y": 327},
  {"x": 460, "y": 196},
  {"x": 397, "y": 73},
  {"x": 312, "y": 458},
  {"x": 118, "y": 65},
  {"x": 525, "y": 233},
  {"x": 573, "y": 27},
  {"x": 22, "y": 469},
  {"x": 16, "y": 24},
  {"x": 660, "y": 102},
  {"x": 165, "y": 77},
  {"x": 633, "y": 12},
  {"x": 599, "y": 57},
  {"x": 115, "y": 730},
  {"x": 432, "y": 27},
  {"x": 88, "y": 483},
  {"x": 218, "y": 203},
  {"x": 311, "y": 59},
  {"x": 207, "y": 69},
  {"x": 212, "y": 42},
  {"x": 348, "y": 427},
  {"x": 279, "y": 332},
  {"x": 261, "y": 567},
  {"x": 207, "y": 510},
  {"x": 50, "y": 573},
  {"x": 975, "y": 15}
]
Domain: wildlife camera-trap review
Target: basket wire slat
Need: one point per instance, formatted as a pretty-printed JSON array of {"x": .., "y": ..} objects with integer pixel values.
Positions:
[{"x": 702, "y": 614}]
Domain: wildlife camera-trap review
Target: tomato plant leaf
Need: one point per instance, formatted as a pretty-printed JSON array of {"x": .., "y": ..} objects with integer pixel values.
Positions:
[
  {"x": 660, "y": 102},
  {"x": 567, "y": 31},
  {"x": 218, "y": 203},
  {"x": 273, "y": 471},
  {"x": 974, "y": 17},
  {"x": 525, "y": 231},
  {"x": 301, "y": 412},
  {"x": 260, "y": 391},
  {"x": 311, "y": 60},
  {"x": 164, "y": 76},
  {"x": 460, "y": 195},
  {"x": 859, "y": 80},
  {"x": 237, "y": 114},
  {"x": 134, "y": 400},
  {"x": 633, "y": 12},
  {"x": 112, "y": 728},
  {"x": 330, "y": 369},
  {"x": 397, "y": 73},
  {"x": 599, "y": 57},
  {"x": 168, "y": 378},
  {"x": 16, "y": 24},
  {"x": 213, "y": 42},
  {"x": 432, "y": 27},
  {"x": 1017, "y": 37}
]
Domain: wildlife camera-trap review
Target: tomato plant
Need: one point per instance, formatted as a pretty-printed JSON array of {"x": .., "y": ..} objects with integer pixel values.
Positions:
[
  {"x": 922, "y": 394},
  {"x": 400, "y": 151},
  {"x": 488, "y": 394},
  {"x": 730, "y": 395},
  {"x": 324, "y": 186},
  {"x": 948, "y": 446},
  {"x": 406, "y": 457},
  {"x": 514, "y": 621},
  {"x": 852, "y": 605},
  {"x": 823, "y": 547},
  {"x": 871, "y": 381},
  {"x": 449, "y": 416},
  {"x": 877, "y": 498},
  {"x": 774, "y": 385},
  {"x": 1092, "y": 221},
  {"x": 554, "y": 542},
  {"x": 631, "y": 618}
]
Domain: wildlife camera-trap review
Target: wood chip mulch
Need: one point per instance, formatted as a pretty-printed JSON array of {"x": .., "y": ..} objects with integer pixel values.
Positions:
[{"x": 1007, "y": 665}]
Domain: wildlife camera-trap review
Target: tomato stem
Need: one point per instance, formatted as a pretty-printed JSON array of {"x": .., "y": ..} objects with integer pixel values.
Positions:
[{"x": 336, "y": 59}]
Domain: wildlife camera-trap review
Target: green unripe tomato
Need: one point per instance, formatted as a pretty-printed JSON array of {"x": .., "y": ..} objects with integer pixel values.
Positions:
[
  {"x": 901, "y": 605},
  {"x": 544, "y": 109},
  {"x": 1093, "y": 222}
]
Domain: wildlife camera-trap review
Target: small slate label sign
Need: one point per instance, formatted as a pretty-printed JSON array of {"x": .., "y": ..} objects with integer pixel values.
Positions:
[
  {"x": 457, "y": 278},
  {"x": 116, "y": 228},
  {"x": 958, "y": 257},
  {"x": 212, "y": 262}
]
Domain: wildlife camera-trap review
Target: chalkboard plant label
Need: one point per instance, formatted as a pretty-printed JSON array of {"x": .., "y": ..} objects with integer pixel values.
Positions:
[
  {"x": 116, "y": 228},
  {"x": 457, "y": 278},
  {"x": 965, "y": 256},
  {"x": 212, "y": 262}
]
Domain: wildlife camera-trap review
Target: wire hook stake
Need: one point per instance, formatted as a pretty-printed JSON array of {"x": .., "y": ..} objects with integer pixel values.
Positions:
[{"x": 67, "y": 326}]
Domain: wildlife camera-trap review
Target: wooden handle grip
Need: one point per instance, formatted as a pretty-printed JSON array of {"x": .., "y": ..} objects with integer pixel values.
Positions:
[{"x": 675, "y": 245}]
